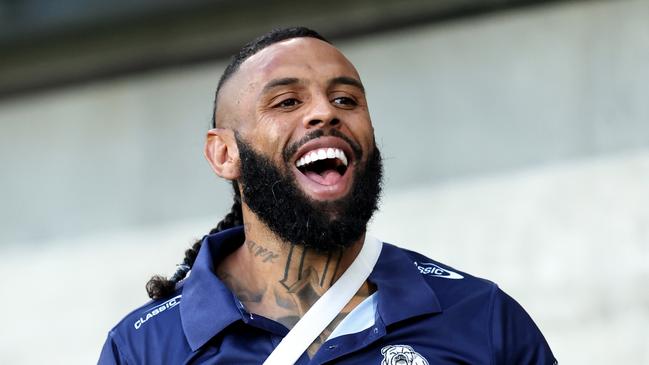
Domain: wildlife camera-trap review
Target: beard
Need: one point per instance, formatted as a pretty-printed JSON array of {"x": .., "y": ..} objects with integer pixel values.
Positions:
[{"x": 272, "y": 193}]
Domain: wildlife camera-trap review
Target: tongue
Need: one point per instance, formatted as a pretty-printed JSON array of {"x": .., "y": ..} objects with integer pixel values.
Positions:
[{"x": 327, "y": 177}]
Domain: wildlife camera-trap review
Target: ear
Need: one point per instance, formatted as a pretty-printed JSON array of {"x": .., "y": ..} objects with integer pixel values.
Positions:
[{"x": 222, "y": 153}]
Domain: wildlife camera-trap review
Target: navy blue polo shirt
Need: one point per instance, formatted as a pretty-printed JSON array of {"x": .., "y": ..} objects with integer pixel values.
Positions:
[{"x": 426, "y": 313}]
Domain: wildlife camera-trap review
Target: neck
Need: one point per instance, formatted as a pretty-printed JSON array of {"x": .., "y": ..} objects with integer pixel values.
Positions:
[{"x": 282, "y": 281}]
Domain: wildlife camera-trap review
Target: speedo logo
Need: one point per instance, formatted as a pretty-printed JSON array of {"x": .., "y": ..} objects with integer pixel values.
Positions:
[
  {"x": 433, "y": 270},
  {"x": 157, "y": 310}
]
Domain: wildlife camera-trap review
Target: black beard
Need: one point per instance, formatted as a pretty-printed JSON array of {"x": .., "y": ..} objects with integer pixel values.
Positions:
[{"x": 273, "y": 195}]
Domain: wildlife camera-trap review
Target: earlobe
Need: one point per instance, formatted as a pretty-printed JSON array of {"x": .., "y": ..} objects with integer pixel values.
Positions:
[{"x": 222, "y": 153}]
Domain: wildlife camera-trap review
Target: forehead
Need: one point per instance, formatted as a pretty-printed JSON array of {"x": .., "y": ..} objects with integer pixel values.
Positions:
[{"x": 298, "y": 57}]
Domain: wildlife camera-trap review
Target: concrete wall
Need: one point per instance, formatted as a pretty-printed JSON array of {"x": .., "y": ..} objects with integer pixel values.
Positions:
[
  {"x": 569, "y": 241},
  {"x": 517, "y": 143},
  {"x": 486, "y": 94}
]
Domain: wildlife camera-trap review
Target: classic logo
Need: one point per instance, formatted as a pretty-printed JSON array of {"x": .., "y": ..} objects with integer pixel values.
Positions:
[
  {"x": 157, "y": 310},
  {"x": 401, "y": 355},
  {"x": 434, "y": 270}
]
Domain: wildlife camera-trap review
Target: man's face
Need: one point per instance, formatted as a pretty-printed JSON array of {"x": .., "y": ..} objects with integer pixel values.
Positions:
[
  {"x": 310, "y": 169},
  {"x": 291, "y": 89}
]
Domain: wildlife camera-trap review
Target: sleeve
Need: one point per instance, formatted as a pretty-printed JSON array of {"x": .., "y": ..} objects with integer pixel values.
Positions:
[
  {"x": 515, "y": 337},
  {"x": 110, "y": 353}
]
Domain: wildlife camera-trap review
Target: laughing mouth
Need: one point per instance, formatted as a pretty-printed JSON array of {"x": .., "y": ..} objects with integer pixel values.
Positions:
[{"x": 325, "y": 166}]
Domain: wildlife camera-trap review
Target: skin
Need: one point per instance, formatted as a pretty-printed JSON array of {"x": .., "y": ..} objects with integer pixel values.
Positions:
[{"x": 277, "y": 97}]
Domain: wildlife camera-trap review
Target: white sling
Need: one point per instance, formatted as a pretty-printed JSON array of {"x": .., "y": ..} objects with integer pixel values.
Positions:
[{"x": 325, "y": 309}]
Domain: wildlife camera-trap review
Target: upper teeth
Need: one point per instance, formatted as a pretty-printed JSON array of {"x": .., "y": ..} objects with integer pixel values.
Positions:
[{"x": 322, "y": 154}]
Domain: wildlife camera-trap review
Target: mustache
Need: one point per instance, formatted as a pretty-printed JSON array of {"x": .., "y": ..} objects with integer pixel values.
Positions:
[{"x": 293, "y": 147}]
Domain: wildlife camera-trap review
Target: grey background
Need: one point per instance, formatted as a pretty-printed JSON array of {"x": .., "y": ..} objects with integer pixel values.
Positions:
[
  {"x": 516, "y": 148},
  {"x": 507, "y": 90}
]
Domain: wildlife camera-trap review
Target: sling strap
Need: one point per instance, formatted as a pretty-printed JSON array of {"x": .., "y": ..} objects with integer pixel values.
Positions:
[{"x": 325, "y": 309}]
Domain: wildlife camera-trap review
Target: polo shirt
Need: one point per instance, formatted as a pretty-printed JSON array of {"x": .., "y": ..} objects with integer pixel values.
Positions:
[{"x": 425, "y": 313}]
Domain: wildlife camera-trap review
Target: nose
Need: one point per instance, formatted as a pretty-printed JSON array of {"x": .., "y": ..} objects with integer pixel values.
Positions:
[
  {"x": 400, "y": 359},
  {"x": 321, "y": 114}
]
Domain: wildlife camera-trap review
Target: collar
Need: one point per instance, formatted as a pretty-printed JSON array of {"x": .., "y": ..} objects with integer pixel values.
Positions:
[
  {"x": 208, "y": 306},
  {"x": 402, "y": 291}
]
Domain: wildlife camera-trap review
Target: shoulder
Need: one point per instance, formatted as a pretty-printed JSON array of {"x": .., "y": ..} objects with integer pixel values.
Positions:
[
  {"x": 144, "y": 331},
  {"x": 451, "y": 286},
  {"x": 480, "y": 306}
]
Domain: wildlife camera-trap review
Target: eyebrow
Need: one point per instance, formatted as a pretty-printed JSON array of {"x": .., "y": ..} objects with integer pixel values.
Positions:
[
  {"x": 280, "y": 82},
  {"x": 285, "y": 81},
  {"x": 346, "y": 80}
]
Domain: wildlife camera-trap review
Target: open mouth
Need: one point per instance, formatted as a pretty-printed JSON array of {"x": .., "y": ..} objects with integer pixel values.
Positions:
[{"x": 326, "y": 166}]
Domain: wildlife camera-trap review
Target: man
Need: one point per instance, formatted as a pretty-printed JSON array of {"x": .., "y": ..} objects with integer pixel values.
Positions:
[{"x": 292, "y": 131}]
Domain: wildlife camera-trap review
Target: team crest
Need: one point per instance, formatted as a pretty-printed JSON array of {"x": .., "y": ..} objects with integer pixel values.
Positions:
[{"x": 401, "y": 355}]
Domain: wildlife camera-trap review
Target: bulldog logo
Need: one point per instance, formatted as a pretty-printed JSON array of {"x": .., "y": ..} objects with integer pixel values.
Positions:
[{"x": 401, "y": 355}]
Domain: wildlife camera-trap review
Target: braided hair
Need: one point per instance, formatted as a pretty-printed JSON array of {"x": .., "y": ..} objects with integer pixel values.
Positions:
[{"x": 158, "y": 286}]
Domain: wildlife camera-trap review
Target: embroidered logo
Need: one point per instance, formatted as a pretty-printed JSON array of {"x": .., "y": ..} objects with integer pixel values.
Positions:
[
  {"x": 157, "y": 310},
  {"x": 401, "y": 355},
  {"x": 434, "y": 270}
]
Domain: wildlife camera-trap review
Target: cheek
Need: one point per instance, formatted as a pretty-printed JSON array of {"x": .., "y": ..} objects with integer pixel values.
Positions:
[
  {"x": 271, "y": 137},
  {"x": 363, "y": 133}
]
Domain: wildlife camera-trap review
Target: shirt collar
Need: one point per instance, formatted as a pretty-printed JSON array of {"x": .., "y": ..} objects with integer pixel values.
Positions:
[
  {"x": 402, "y": 290},
  {"x": 207, "y": 305}
]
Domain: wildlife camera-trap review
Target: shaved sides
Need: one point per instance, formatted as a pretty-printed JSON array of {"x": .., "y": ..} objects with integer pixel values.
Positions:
[{"x": 250, "y": 49}]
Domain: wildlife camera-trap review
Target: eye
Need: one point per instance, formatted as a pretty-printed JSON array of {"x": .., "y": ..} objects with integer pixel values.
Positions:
[
  {"x": 344, "y": 101},
  {"x": 287, "y": 103}
]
